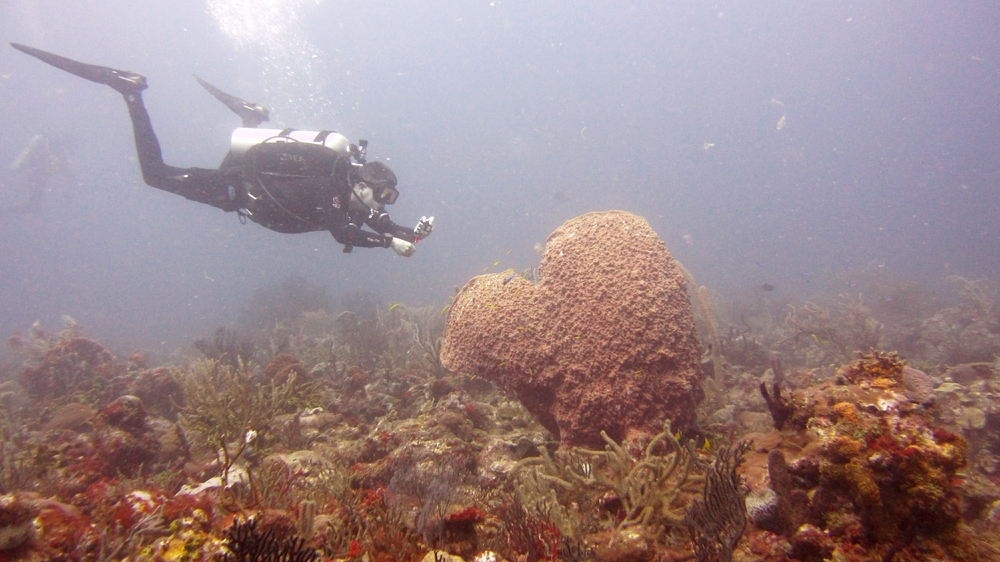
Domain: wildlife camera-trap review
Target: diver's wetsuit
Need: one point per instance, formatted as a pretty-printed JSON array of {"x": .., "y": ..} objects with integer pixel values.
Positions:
[
  {"x": 307, "y": 205},
  {"x": 197, "y": 184}
]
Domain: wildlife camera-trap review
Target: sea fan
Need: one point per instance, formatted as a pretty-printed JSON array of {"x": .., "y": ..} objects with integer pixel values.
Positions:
[{"x": 247, "y": 544}]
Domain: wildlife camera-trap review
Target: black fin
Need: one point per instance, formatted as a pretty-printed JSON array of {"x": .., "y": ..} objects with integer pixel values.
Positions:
[
  {"x": 253, "y": 114},
  {"x": 123, "y": 81}
]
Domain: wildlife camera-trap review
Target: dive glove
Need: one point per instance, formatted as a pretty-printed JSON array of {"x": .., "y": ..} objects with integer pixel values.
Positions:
[
  {"x": 402, "y": 247},
  {"x": 424, "y": 227}
]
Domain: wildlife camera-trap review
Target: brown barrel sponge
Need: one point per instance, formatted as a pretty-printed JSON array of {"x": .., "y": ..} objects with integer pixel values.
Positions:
[{"x": 604, "y": 341}]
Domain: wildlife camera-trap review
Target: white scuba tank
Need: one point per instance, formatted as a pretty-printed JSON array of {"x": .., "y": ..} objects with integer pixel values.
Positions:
[{"x": 244, "y": 138}]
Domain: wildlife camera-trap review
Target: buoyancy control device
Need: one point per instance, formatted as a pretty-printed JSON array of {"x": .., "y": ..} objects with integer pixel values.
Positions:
[{"x": 288, "y": 175}]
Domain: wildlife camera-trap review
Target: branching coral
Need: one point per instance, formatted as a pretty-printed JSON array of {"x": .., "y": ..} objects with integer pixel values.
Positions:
[
  {"x": 226, "y": 347},
  {"x": 839, "y": 330},
  {"x": 979, "y": 295},
  {"x": 965, "y": 333},
  {"x": 645, "y": 487},
  {"x": 361, "y": 339},
  {"x": 228, "y": 410},
  {"x": 223, "y": 403}
]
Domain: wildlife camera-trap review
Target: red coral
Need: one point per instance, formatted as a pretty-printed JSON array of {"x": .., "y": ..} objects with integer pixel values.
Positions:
[
  {"x": 284, "y": 366},
  {"x": 66, "y": 529},
  {"x": 158, "y": 390},
  {"x": 469, "y": 514},
  {"x": 184, "y": 505},
  {"x": 71, "y": 366},
  {"x": 124, "y": 438}
]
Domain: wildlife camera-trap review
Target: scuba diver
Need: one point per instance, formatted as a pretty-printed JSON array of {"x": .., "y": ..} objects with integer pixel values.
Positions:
[
  {"x": 38, "y": 167},
  {"x": 289, "y": 181}
]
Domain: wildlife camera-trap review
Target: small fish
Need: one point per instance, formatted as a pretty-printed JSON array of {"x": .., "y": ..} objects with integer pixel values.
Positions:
[
  {"x": 707, "y": 446},
  {"x": 502, "y": 364},
  {"x": 496, "y": 263},
  {"x": 446, "y": 307},
  {"x": 486, "y": 268},
  {"x": 767, "y": 287},
  {"x": 815, "y": 337},
  {"x": 393, "y": 307},
  {"x": 509, "y": 251},
  {"x": 509, "y": 278}
]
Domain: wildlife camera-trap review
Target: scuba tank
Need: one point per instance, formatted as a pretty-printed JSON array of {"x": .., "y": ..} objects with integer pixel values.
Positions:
[{"x": 243, "y": 138}]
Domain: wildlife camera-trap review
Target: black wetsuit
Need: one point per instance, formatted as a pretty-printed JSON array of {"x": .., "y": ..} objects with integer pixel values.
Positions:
[{"x": 318, "y": 198}]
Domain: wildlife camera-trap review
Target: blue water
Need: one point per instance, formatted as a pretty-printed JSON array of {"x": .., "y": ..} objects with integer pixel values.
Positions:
[{"x": 808, "y": 145}]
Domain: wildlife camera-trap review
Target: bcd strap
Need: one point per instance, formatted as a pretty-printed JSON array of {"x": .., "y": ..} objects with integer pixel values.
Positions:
[{"x": 321, "y": 136}]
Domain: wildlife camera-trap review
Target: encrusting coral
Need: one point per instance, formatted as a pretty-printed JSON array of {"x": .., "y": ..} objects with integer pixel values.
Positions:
[{"x": 604, "y": 341}]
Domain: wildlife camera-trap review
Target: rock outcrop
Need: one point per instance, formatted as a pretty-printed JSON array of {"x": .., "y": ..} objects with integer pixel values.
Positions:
[{"x": 604, "y": 341}]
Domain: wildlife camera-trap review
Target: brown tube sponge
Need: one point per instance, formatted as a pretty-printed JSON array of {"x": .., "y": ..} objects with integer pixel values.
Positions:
[{"x": 604, "y": 341}]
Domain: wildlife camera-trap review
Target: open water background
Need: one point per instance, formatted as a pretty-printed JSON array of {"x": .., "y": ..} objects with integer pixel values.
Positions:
[{"x": 814, "y": 146}]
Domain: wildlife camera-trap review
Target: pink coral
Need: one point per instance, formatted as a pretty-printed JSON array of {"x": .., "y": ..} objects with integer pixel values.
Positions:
[{"x": 604, "y": 341}]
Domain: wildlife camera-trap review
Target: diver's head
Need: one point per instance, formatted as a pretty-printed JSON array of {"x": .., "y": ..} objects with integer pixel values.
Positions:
[{"x": 380, "y": 179}]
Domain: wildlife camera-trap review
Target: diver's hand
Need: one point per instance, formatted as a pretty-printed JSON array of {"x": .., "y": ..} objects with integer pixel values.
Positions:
[
  {"x": 424, "y": 227},
  {"x": 402, "y": 247}
]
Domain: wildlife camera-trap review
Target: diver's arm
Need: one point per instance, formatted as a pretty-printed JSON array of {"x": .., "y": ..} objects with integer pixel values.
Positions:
[
  {"x": 350, "y": 234},
  {"x": 381, "y": 223}
]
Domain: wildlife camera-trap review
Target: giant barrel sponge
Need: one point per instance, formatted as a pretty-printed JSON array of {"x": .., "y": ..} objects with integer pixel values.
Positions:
[{"x": 604, "y": 341}]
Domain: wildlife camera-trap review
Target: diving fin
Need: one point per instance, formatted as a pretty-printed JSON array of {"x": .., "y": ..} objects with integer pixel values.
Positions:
[
  {"x": 123, "y": 81},
  {"x": 253, "y": 114}
]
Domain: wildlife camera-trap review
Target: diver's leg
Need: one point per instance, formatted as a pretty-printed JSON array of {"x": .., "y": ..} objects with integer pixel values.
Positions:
[
  {"x": 218, "y": 188},
  {"x": 213, "y": 187}
]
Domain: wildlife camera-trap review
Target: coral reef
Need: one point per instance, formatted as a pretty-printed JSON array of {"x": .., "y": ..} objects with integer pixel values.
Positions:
[
  {"x": 226, "y": 346},
  {"x": 276, "y": 304},
  {"x": 604, "y": 342},
  {"x": 345, "y": 437},
  {"x": 69, "y": 367}
]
